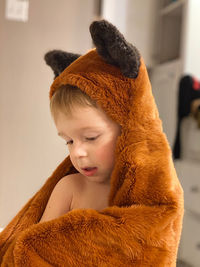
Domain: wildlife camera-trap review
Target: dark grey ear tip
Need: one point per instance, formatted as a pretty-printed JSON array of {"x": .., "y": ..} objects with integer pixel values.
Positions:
[
  {"x": 50, "y": 56},
  {"x": 102, "y": 28},
  {"x": 114, "y": 48},
  {"x": 97, "y": 24},
  {"x": 49, "y": 53},
  {"x": 58, "y": 60}
]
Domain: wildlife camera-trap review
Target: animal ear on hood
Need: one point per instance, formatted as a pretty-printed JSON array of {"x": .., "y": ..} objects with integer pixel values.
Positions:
[
  {"x": 110, "y": 45},
  {"x": 58, "y": 60},
  {"x": 114, "y": 49}
]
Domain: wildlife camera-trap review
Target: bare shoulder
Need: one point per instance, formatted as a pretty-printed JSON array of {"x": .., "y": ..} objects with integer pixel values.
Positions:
[
  {"x": 73, "y": 180},
  {"x": 60, "y": 199},
  {"x": 67, "y": 180}
]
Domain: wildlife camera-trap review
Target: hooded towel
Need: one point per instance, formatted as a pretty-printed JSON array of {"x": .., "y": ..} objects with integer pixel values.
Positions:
[{"x": 142, "y": 224}]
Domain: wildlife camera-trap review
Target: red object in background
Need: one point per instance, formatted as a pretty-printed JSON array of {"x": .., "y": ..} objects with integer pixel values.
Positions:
[{"x": 196, "y": 84}]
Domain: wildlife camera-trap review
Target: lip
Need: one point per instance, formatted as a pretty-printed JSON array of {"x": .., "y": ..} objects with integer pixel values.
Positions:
[
  {"x": 86, "y": 167},
  {"x": 91, "y": 172}
]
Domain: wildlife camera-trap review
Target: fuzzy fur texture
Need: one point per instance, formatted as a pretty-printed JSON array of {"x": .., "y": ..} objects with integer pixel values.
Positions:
[
  {"x": 142, "y": 225},
  {"x": 59, "y": 60},
  {"x": 114, "y": 49}
]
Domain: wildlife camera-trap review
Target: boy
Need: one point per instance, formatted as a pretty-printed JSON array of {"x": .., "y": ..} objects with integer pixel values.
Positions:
[
  {"x": 91, "y": 137},
  {"x": 127, "y": 210}
]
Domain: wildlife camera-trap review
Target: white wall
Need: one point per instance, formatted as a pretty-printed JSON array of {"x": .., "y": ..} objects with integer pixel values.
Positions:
[
  {"x": 115, "y": 11},
  {"x": 29, "y": 145},
  {"x": 191, "y": 51},
  {"x": 136, "y": 19}
]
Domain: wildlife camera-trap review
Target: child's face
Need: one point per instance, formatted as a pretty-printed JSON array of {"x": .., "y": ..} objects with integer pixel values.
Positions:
[{"x": 97, "y": 152}]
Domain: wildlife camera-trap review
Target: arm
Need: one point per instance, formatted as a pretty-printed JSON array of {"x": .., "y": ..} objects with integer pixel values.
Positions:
[{"x": 60, "y": 199}]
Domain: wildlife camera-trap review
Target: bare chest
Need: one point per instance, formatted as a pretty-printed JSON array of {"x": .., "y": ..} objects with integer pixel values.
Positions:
[{"x": 93, "y": 197}]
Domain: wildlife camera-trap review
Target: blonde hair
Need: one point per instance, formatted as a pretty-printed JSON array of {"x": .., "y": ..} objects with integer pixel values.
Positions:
[{"x": 67, "y": 97}]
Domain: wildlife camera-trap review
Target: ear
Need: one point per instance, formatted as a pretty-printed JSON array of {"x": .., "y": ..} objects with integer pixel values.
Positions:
[
  {"x": 59, "y": 60},
  {"x": 113, "y": 47}
]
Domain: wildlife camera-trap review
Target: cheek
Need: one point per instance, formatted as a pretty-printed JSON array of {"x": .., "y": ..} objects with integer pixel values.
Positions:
[
  {"x": 106, "y": 152},
  {"x": 73, "y": 161}
]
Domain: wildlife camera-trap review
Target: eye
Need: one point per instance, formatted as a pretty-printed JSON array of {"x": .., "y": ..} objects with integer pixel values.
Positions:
[
  {"x": 88, "y": 138},
  {"x": 91, "y": 138},
  {"x": 68, "y": 143}
]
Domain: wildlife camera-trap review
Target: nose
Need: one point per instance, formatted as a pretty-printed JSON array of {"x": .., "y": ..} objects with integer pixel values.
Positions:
[{"x": 79, "y": 150}]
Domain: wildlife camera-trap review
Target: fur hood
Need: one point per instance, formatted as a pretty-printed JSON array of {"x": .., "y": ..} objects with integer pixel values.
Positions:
[{"x": 142, "y": 224}]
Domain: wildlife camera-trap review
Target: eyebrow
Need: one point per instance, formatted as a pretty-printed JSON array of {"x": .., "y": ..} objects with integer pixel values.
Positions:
[{"x": 83, "y": 128}]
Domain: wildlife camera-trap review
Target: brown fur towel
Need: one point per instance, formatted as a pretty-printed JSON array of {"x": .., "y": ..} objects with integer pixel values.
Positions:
[{"x": 142, "y": 224}]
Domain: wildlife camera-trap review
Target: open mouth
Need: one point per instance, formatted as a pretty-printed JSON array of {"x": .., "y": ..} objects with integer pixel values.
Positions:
[
  {"x": 89, "y": 171},
  {"x": 88, "y": 168}
]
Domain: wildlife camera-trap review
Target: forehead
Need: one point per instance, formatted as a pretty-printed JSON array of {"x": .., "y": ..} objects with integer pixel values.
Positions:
[
  {"x": 82, "y": 119},
  {"x": 82, "y": 129},
  {"x": 87, "y": 115}
]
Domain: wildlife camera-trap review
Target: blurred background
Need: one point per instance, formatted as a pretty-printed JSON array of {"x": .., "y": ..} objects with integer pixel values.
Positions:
[{"x": 166, "y": 32}]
